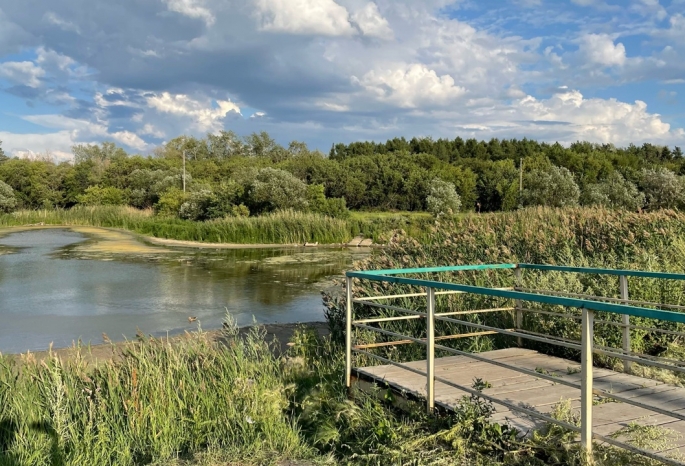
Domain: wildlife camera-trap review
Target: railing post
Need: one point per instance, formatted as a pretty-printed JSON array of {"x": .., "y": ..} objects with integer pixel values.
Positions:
[
  {"x": 348, "y": 333},
  {"x": 430, "y": 351},
  {"x": 518, "y": 305},
  {"x": 586, "y": 384},
  {"x": 623, "y": 283}
]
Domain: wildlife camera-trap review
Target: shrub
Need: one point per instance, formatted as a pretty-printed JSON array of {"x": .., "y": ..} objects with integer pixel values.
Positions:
[
  {"x": 318, "y": 203},
  {"x": 276, "y": 189},
  {"x": 663, "y": 188},
  {"x": 615, "y": 192},
  {"x": 443, "y": 198},
  {"x": 95, "y": 195},
  {"x": 552, "y": 187},
  {"x": 8, "y": 201},
  {"x": 197, "y": 206},
  {"x": 170, "y": 202}
]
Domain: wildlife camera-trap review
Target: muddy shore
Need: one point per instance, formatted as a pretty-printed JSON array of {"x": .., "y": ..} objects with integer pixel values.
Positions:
[{"x": 277, "y": 335}]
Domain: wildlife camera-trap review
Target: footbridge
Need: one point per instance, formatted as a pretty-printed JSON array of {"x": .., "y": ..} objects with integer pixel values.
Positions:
[{"x": 529, "y": 336}]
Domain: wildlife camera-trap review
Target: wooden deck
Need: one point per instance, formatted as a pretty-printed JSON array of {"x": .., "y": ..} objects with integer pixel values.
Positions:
[{"x": 540, "y": 394}]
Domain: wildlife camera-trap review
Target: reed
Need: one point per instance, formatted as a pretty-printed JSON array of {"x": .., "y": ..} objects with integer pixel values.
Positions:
[
  {"x": 285, "y": 227},
  {"x": 575, "y": 237}
]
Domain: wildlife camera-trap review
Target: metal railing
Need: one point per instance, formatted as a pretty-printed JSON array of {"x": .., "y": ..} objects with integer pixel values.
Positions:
[{"x": 588, "y": 304}]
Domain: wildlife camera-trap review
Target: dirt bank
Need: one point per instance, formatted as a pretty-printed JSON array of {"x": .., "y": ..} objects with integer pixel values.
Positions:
[{"x": 277, "y": 334}]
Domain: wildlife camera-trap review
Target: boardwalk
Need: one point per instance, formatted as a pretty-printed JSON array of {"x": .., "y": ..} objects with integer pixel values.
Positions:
[{"x": 540, "y": 394}]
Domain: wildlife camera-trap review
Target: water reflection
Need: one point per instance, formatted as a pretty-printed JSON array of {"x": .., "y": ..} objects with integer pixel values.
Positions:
[{"x": 49, "y": 292}]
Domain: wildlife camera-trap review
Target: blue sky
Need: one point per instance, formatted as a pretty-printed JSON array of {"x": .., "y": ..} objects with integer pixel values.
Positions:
[{"x": 325, "y": 71}]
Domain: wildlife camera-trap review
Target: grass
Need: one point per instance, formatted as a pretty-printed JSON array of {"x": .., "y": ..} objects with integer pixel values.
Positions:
[
  {"x": 236, "y": 402},
  {"x": 575, "y": 237},
  {"x": 286, "y": 227},
  {"x": 197, "y": 402},
  {"x": 276, "y": 228}
]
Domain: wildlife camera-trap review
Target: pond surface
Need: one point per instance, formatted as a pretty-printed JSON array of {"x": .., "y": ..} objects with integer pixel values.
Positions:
[{"x": 51, "y": 292}]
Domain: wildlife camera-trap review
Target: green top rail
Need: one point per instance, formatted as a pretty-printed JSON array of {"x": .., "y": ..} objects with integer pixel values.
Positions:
[{"x": 395, "y": 276}]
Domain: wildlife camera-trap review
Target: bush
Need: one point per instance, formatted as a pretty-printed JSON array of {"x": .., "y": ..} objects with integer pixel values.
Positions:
[
  {"x": 318, "y": 203},
  {"x": 95, "y": 195},
  {"x": 443, "y": 198},
  {"x": 663, "y": 188},
  {"x": 615, "y": 192},
  {"x": 197, "y": 206},
  {"x": 552, "y": 187},
  {"x": 170, "y": 202},
  {"x": 276, "y": 189},
  {"x": 8, "y": 201}
]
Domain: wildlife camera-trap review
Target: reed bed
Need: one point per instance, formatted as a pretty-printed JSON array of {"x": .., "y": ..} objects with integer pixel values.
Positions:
[
  {"x": 285, "y": 227},
  {"x": 575, "y": 237}
]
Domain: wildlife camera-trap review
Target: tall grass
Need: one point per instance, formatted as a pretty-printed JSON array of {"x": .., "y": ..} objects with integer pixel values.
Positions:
[
  {"x": 236, "y": 402},
  {"x": 155, "y": 403},
  {"x": 276, "y": 228},
  {"x": 574, "y": 237}
]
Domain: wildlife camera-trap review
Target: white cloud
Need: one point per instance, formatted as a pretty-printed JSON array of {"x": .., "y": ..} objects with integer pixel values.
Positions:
[
  {"x": 410, "y": 86},
  {"x": 204, "y": 115},
  {"x": 371, "y": 23},
  {"x": 151, "y": 130},
  {"x": 24, "y": 72},
  {"x": 601, "y": 120},
  {"x": 600, "y": 49},
  {"x": 191, "y": 9},
  {"x": 57, "y": 143},
  {"x": 53, "y": 18},
  {"x": 82, "y": 130},
  {"x": 333, "y": 107},
  {"x": 318, "y": 17}
]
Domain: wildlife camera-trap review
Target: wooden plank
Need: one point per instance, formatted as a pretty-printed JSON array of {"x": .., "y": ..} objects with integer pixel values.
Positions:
[{"x": 541, "y": 394}]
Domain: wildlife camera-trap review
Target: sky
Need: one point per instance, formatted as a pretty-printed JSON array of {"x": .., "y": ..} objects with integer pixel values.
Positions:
[{"x": 140, "y": 72}]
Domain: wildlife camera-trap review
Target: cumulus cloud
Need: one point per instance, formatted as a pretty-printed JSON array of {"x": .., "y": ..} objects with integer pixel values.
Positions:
[
  {"x": 204, "y": 115},
  {"x": 600, "y": 49},
  {"x": 371, "y": 23},
  {"x": 84, "y": 130},
  {"x": 24, "y": 73},
  {"x": 320, "y": 17},
  {"x": 57, "y": 144},
  {"x": 338, "y": 70},
  {"x": 410, "y": 86}
]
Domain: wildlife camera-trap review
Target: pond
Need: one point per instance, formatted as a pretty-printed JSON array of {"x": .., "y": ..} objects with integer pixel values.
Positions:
[{"x": 60, "y": 285}]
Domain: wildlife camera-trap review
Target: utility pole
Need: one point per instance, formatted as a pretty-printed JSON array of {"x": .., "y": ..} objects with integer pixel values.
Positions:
[
  {"x": 184, "y": 171},
  {"x": 520, "y": 176}
]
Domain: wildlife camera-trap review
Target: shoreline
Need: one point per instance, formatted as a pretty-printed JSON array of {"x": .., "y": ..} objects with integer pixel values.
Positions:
[
  {"x": 153, "y": 240},
  {"x": 92, "y": 354}
]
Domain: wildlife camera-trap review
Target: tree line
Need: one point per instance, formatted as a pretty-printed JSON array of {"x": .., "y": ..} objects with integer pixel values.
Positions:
[{"x": 228, "y": 175}]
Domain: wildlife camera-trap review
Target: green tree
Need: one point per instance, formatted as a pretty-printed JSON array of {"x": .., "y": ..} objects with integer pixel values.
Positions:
[
  {"x": 170, "y": 202},
  {"x": 663, "y": 188},
  {"x": 615, "y": 192},
  {"x": 3, "y": 157},
  {"x": 106, "y": 151},
  {"x": 318, "y": 203},
  {"x": 275, "y": 189},
  {"x": 96, "y": 195},
  {"x": 8, "y": 201},
  {"x": 554, "y": 187},
  {"x": 443, "y": 198}
]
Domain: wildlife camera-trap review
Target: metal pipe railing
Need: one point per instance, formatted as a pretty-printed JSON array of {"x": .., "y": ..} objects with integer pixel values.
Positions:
[{"x": 588, "y": 304}]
